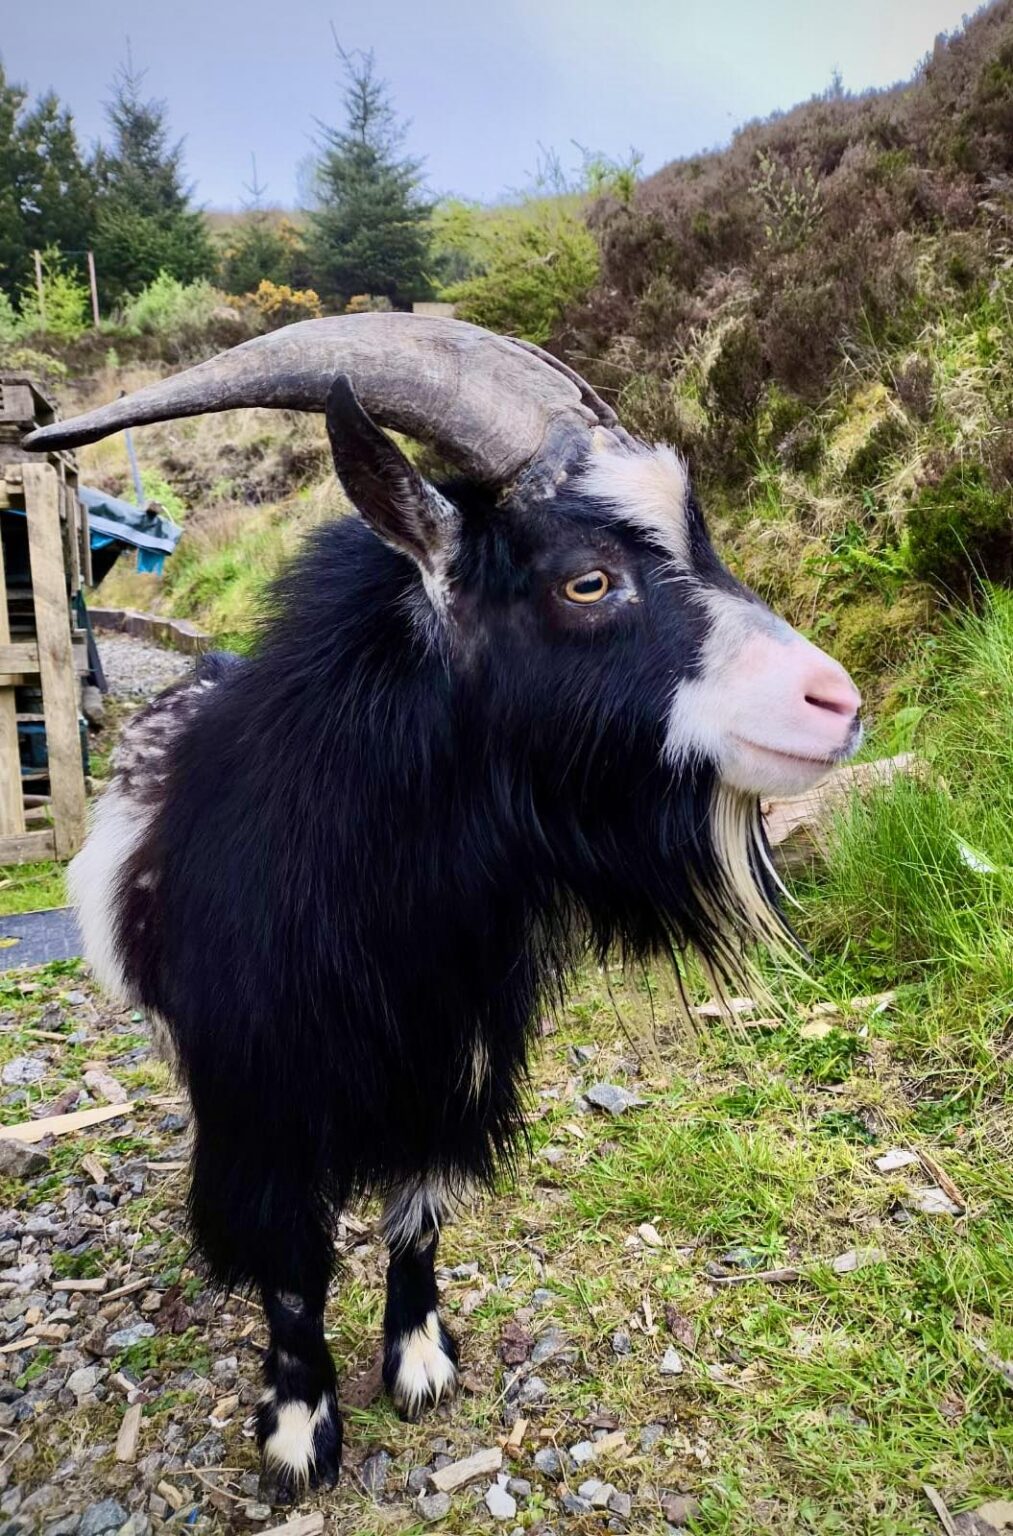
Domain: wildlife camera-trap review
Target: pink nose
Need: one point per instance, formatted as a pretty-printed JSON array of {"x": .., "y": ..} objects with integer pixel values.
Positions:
[{"x": 829, "y": 687}]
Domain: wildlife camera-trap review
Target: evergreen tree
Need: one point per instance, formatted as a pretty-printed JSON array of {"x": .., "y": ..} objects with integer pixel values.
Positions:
[
  {"x": 370, "y": 230},
  {"x": 146, "y": 221},
  {"x": 47, "y": 190},
  {"x": 263, "y": 247}
]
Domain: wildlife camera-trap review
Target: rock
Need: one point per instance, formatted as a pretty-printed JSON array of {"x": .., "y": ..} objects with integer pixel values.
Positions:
[
  {"x": 418, "y": 1477},
  {"x": 208, "y": 1452},
  {"x": 547, "y": 1461},
  {"x": 375, "y": 1471},
  {"x": 542, "y": 1297},
  {"x": 672, "y": 1363},
  {"x": 650, "y": 1435},
  {"x": 433, "y": 1506},
  {"x": 257, "y": 1512},
  {"x": 519, "y": 1487},
  {"x": 515, "y": 1344},
  {"x": 622, "y": 1344},
  {"x": 500, "y": 1504},
  {"x": 596, "y": 1492},
  {"x": 107, "y": 1515},
  {"x": 19, "y": 1160},
  {"x": 573, "y": 1504},
  {"x": 583, "y": 1451},
  {"x": 621, "y": 1504},
  {"x": 66, "y": 1526},
  {"x": 174, "y": 1123},
  {"x": 933, "y": 1201},
  {"x": 533, "y": 1390},
  {"x": 550, "y": 1344},
  {"x": 896, "y": 1158},
  {"x": 649, "y": 1235},
  {"x": 998, "y": 1514},
  {"x": 123, "y": 1338},
  {"x": 85, "y": 1380},
  {"x": 612, "y": 1098},
  {"x": 679, "y": 1508},
  {"x": 23, "y": 1071}
]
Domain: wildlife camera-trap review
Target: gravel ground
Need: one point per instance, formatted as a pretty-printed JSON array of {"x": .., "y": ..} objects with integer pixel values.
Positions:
[{"x": 137, "y": 670}]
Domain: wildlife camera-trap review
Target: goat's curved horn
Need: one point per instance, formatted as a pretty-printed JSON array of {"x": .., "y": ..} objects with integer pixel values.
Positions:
[{"x": 502, "y": 410}]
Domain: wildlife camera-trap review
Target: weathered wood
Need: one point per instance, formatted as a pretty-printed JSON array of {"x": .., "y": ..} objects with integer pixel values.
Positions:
[
  {"x": 17, "y": 404},
  {"x": 63, "y": 1125},
  {"x": 70, "y": 512},
  {"x": 21, "y": 656},
  {"x": 12, "y": 812},
  {"x": 56, "y": 662},
  {"x": 28, "y": 847}
]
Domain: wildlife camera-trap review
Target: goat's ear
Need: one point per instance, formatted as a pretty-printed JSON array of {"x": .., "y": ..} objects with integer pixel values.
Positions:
[{"x": 396, "y": 501}]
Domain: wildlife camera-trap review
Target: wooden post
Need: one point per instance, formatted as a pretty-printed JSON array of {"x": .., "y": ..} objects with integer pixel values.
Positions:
[
  {"x": 12, "y": 813},
  {"x": 56, "y": 663},
  {"x": 40, "y": 285},
  {"x": 94, "y": 288}
]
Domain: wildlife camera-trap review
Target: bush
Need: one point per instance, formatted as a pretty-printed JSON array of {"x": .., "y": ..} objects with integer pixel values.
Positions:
[
  {"x": 63, "y": 307},
  {"x": 278, "y": 304},
  {"x": 167, "y": 306},
  {"x": 960, "y": 530}
]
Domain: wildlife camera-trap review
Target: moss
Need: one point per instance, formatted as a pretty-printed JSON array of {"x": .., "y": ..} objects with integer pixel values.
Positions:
[
  {"x": 874, "y": 637},
  {"x": 869, "y": 434},
  {"x": 960, "y": 530}
]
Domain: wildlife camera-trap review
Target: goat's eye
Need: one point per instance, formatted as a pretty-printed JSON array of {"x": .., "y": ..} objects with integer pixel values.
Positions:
[{"x": 589, "y": 588}]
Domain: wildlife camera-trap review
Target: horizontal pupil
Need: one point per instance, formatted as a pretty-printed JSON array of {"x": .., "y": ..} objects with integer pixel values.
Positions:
[{"x": 588, "y": 584}]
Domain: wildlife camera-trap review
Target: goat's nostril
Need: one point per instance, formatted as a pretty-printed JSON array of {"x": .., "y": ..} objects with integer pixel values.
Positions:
[{"x": 835, "y": 706}]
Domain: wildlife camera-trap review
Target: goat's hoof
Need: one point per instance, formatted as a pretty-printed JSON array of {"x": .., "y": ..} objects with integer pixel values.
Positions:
[
  {"x": 420, "y": 1368},
  {"x": 301, "y": 1447}
]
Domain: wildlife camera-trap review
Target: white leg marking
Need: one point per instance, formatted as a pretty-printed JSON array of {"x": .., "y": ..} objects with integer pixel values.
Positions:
[
  {"x": 291, "y": 1445},
  {"x": 425, "y": 1374}
]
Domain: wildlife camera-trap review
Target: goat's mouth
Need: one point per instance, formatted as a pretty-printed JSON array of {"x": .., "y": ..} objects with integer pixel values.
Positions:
[{"x": 802, "y": 760}]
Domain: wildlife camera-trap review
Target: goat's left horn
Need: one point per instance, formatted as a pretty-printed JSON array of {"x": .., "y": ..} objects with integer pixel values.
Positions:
[{"x": 502, "y": 410}]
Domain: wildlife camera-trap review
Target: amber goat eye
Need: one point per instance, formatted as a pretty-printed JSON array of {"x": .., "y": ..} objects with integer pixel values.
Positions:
[{"x": 589, "y": 588}]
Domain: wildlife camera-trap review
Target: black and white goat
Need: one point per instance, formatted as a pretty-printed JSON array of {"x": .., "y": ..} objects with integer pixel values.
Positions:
[{"x": 488, "y": 724}]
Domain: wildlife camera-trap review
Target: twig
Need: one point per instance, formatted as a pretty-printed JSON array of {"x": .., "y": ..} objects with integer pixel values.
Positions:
[
  {"x": 936, "y": 1500},
  {"x": 768, "y": 1276},
  {"x": 1003, "y": 1367}
]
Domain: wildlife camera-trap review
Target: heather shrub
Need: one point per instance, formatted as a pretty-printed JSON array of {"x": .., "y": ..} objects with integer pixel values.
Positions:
[{"x": 960, "y": 529}]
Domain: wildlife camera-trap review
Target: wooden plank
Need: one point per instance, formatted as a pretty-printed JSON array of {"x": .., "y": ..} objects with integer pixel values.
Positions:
[
  {"x": 63, "y": 1125},
  {"x": 16, "y": 404},
  {"x": 28, "y": 847},
  {"x": 56, "y": 660},
  {"x": 70, "y": 505},
  {"x": 21, "y": 656},
  {"x": 12, "y": 812}
]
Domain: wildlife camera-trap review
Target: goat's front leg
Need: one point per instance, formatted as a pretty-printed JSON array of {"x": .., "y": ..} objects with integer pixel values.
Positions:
[
  {"x": 298, "y": 1423},
  {"x": 419, "y": 1356}
]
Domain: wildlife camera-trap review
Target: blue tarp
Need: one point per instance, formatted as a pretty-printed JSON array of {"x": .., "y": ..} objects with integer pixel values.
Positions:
[{"x": 111, "y": 521}]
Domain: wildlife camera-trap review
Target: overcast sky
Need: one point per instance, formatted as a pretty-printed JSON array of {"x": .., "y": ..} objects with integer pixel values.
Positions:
[{"x": 485, "y": 82}]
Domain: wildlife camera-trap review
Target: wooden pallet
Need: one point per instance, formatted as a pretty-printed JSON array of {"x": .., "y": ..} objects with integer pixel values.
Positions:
[{"x": 45, "y": 489}]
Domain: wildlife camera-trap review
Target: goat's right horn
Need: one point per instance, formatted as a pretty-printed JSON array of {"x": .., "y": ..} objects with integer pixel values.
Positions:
[{"x": 504, "y": 411}]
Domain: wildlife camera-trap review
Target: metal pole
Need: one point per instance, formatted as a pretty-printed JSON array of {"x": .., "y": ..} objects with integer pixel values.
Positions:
[
  {"x": 94, "y": 288},
  {"x": 40, "y": 285}
]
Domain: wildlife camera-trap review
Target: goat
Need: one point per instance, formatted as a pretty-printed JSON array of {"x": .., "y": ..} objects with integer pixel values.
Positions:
[{"x": 489, "y": 723}]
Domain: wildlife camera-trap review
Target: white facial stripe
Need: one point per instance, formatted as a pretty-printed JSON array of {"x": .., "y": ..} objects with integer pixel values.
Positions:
[
  {"x": 425, "y": 1373},
  {"x": 646, "y": 487},
  {"x": 705, "y": 707}
]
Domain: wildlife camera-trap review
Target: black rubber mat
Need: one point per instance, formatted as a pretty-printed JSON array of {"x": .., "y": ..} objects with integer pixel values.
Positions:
[{"x": 33, "y": 938}]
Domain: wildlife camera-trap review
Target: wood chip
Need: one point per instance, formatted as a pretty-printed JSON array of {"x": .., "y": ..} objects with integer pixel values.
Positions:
[
  {"x": 300, "y": 1525},
  {"x": 165, "y": 1167},
  {"x": 128, "y": 1288},
  {"x": 94, "y": 1283},
  {"x": 897, "y": 1157},
  {"x": 458, "y": 1473},
  {"x": 130, "y": 1429},
  {"x": 817, "y": 1029},
  {"x": 612, "y": 1445},
  {"x": 516, "y": 1437},
  {"x": 170, "y": 1494},
  {"x": 945, "y": 1518},
  {"x": 944, "y": 1181},
  {"x": 768, "y": 1276},
  {"x": 64, "y": 1125},
  {"x": 93, "y": 1168},
  {"x": 879, "y": 1002},
  {"x": 723, "y": 1008},
  {"x": 28, "y": 1341}
]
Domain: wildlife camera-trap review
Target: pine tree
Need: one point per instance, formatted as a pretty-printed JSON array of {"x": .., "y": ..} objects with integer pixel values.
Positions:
[
  {"x": 146, "y": 221},
  {"x": 262, "y": 247},
  {"x": 47, "y": 190},
  {"x": 370, "y": 230}
]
